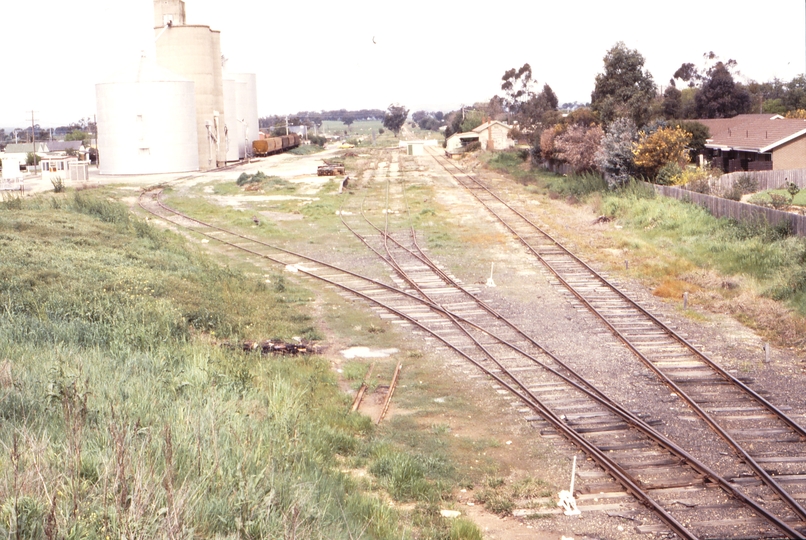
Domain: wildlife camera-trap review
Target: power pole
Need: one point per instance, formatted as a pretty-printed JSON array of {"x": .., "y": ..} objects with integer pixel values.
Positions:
[{"x": 33, "y": 136}]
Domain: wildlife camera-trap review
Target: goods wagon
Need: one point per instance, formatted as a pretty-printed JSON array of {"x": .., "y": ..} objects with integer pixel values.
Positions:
[{"x": 273, "y": 145}]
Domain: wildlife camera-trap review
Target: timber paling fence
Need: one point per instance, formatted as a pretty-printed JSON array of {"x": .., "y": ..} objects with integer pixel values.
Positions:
[
  {"x": 726, "y": 208},
  {"x": 766, "y": 179},
  {"x": 743, "y": 212}
]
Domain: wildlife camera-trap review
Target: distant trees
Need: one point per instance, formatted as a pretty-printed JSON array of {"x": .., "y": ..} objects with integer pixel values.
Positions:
[
  {"x": 426, "y": 120},
  {"x": 720, "y": 96},
  {"x": 315, "y": 118},
  {"x": 473, "y": 119},
  {"x": 77, "y": 135},
  {"x": 518, "y": 86},
  {"x": 522, "y": 103},
  {"x": 395, "y": 117},
  {"x": 712, "y": 91},
  {"x": 625, "y": 88}
]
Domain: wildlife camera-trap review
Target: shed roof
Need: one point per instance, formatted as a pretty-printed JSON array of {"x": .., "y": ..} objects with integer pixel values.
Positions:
[
  {"x": 753, "y": 132},
  {"x": 465, "y": 135}
]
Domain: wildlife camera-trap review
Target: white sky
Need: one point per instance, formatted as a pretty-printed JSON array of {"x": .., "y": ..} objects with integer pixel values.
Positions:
[{"x": 434, "y": 55}]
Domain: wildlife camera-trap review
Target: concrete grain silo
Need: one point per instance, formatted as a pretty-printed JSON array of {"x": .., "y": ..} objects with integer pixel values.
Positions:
[
  {"x": 194, "y": 51},
  {"x": 234, "y": 131},
  {"x": 247, "y": 105},
  {"x": 146, "y": 121}
]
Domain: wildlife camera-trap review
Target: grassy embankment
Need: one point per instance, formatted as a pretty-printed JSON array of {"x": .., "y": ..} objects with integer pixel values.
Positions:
[
  {"x": 122, "y": 416},
  {"x": 754, "y": 271}
]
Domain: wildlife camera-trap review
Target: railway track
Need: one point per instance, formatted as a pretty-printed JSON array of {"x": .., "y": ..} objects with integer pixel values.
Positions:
[
  {"x": 431, "y": 300},
  {"x": 759, "y": 433}
]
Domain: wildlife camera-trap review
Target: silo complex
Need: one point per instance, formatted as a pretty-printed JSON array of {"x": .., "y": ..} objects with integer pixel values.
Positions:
[
  {"x": 142, "y": 113},
  {"x": 146, "y": 121}
]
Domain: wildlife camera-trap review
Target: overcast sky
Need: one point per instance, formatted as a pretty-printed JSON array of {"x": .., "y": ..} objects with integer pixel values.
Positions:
[{"x": 434, "y": 55}]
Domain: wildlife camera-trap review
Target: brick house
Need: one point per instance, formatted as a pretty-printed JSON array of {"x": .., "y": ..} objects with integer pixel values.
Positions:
[{"x": 756, "y": 142}]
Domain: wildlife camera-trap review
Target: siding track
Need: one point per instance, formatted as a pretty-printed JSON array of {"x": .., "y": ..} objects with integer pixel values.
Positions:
[{"x": 761, "y": 435}]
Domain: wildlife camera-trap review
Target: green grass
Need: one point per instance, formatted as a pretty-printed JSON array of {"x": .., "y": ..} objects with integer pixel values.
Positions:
[
  {"x": 122, "y": 416},
  {"x": 764, "y": 196},
  {"x": 770, "y": 258},
  {"x": 306, "y": 150}
]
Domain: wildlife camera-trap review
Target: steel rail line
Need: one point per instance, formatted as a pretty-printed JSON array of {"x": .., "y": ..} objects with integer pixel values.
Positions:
[
  {"x": 477, "y": 185},
  {"x": 578, "y": 383}
]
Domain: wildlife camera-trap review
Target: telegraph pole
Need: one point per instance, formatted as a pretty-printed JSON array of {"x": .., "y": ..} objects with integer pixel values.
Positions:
[{"x": 33, "y": 136}]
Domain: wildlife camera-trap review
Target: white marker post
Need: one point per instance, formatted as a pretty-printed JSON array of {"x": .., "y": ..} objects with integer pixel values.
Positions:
[
  {"x": 490, "y": 282},
  {"x": 567, "y": 497}
]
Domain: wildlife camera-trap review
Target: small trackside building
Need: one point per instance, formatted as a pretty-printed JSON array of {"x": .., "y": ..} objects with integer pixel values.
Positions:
[
  {"x": 756, "y": 142},
  {"x": 494, "y": 136},
  {"x": 458, "y": 140}
]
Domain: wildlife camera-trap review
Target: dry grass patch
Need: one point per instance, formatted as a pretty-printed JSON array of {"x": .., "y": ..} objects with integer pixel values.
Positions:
[{"x": 674, "y": 288}]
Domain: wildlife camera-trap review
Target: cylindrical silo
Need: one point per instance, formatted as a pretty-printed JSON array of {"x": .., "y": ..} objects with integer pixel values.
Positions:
[
  {"x": 195, "y": 52},
  {"x": 247, "y": 104},
  {"x": 146, "y": 121},
  {"x": 233, "y": 130}
]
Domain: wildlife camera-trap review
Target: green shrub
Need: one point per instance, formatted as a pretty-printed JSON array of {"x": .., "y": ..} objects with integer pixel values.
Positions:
[
  {"x": 472, "y": 146},
  {"x": 256, "y": 178},
  {"x": 668, "y": 174},
  {"x": 58, "y": 184}
]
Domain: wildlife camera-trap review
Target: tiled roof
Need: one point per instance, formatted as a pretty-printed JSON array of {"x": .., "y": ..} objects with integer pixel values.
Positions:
[
  {"x": 61, "y": 146},
  {"x": 753, "y": 132}
]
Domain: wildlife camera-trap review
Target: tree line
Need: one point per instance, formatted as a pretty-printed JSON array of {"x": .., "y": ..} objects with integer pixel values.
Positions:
[
  {"x": 82, "y": 130},
  {"x": 313, "y": 119},
  {"x": 631, "y": 127}
]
